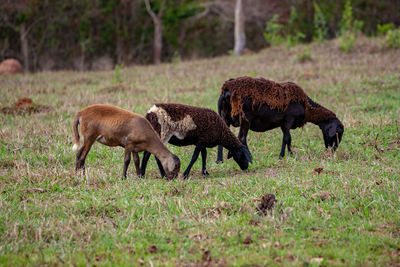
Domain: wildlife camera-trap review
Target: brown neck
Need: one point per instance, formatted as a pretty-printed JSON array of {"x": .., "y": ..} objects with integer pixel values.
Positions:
[
  {"x": 316, "y": 113},
  {"x": 159, "y": 150},
  {"x": 228, "y": 139}
]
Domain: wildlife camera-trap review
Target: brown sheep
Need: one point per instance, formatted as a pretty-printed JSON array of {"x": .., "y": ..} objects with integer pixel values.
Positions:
[{"x": 113, "y": 126}]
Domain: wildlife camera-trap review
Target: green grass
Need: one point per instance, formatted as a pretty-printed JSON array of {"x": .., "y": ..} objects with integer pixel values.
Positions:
[{"x": 100, "y": 220}]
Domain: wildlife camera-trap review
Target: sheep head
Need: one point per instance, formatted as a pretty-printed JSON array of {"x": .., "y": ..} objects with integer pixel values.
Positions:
[
  {"x": 242, "y": 156},
  {"x": 173, "y": 167},
  {"x": 332, "y": 131}
]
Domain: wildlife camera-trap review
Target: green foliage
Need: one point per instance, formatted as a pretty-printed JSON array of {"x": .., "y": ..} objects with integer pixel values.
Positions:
[
  {"x": 393, "y": 38},
  {"x": 277, "y": 33},
  {"x": 347, "y": 41},
  {"x": 293, "y": 34},
  {"x": 320, "y": 27},
  {"x": 123, "y": 30},
  {"x": 304, "y": 56},
  {"x": 117, "y": 79},
  {"x": 384, "y": 28},
  {"x": 349, "y": 28},
  {"x": 273, "y": 33}
]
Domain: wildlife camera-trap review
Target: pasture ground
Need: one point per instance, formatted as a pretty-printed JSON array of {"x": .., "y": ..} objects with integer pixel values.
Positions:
[{"x": 338, "y": 208}]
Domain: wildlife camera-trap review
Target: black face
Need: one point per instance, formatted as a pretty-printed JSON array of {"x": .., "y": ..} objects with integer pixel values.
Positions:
[
  {"x": 242, "y": 156},
  {"x": 224, "y": 110},
  {"x": 333, "y": 131}
]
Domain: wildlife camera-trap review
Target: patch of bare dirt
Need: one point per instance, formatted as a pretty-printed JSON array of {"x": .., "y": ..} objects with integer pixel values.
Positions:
[
  {"x": 208, "y": 261},
  {"x": 25, "y": 106},
  {"x": 322, "y": 195},
  {"x": 320, "y": 170},
  {"x": 7, "y": 164},
  {"x": 309, "y": 75},
  {"x": 114, "y": 89},
  {"x": 218, "y": 210},
  {"x": 35, "y": 190},
  {"x": 247, "y": 241},
  {"x": 267, "y": 204},
  {"x": 81, "y": 81}
]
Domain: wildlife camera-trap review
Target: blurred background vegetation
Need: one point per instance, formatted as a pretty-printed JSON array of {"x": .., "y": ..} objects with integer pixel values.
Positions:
[{"x": 99, "y": 34}]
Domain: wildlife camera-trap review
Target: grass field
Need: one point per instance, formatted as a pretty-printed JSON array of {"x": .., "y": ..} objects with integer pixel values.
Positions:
[{"x": 347, "y": 214}]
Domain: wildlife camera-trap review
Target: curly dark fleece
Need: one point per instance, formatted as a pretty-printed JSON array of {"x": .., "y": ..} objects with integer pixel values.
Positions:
[
  {"x": 183, "y": 125},
  {"x": 275, "y": 95}
]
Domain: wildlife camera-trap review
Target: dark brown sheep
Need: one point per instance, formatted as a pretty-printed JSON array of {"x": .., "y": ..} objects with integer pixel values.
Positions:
[
  {"x": 261, "y": 105},
  {"x": 183, "y": 125}
]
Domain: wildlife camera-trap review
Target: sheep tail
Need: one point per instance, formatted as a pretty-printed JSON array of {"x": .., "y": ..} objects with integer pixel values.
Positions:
[{"x": 76, "y": 132}]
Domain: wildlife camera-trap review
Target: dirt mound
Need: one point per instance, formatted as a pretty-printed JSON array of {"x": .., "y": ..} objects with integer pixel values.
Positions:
[
  {"x": 267, "y": 204},
  {"x": 25, "y": 106},
  {"x": 10, "y": 66}
]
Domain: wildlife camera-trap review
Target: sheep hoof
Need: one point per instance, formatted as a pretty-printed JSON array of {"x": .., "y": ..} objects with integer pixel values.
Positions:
[
  {"x": 219, "y": 161},
  {"x": 205, "y": 173}
]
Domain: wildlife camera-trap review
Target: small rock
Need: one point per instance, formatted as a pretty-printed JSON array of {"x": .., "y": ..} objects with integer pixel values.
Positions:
[
  {"x": 152, "y": 249},
  {"x": 318, "y": 170},
  {"x": 247, "y": 241},
  {"x": 10, "y": 66},
  {"x": 316, "y": 260},
  {"x": 23, "y": 102},
  {"x": 206, "y": 255},
  {"x": 35, "y": 190}
]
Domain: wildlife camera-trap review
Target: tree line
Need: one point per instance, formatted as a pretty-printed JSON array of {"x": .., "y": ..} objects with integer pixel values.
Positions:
[{"x": 95, "y": 34}]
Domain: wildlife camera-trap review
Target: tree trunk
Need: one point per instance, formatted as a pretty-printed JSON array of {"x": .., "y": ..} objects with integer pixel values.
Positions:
[
  {"x": 157, "y": 30},
  {"x": 240, "y": 36},
  {"x": 157, "y": 42},
  {"x": 24, "y": 45}
]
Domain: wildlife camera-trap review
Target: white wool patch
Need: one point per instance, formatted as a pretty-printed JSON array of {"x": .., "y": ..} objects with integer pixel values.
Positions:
[{"x": 171, "y": 128}]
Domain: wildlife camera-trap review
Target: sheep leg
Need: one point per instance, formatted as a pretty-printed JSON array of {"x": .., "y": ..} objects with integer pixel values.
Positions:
[
  {"x": 193, "y": 160},
  {"x": 146, "y": 156},
  {"x": 204, "y": 162},
  {"x": 136, "y": 160},
  {"x": 286, "y": 140},
  {"x": 289, "y": 144},
  {"x": 127, "y": 160},
  {"x": 83, "y": 152},
  {"x": 220, "y": 156},
  {"x": 244, "y": 129},
  {"x": 160, "y": 167}
]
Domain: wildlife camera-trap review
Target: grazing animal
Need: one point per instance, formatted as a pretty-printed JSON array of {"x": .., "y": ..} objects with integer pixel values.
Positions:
[
  {"x": 113, "y": 126},
  {"x": 261, "y": 105},
  {"x": 183, "y": 125}
]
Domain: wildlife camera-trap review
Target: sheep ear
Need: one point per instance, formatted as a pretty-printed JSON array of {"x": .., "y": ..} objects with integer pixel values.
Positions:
[{"x": 248, "y": 155}]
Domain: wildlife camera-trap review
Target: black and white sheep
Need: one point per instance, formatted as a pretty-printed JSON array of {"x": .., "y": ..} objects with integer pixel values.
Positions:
[
  {"x": 183, "y": 125},
  {"x": 262, "y": 105}
]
